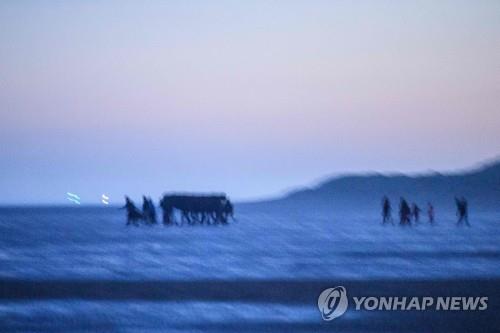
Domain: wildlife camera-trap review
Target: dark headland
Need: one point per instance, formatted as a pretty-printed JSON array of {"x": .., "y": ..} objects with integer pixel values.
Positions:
[{"x": 363, "y": 192}]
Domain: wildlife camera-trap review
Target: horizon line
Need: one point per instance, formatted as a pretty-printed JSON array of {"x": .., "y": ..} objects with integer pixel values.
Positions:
[{"x": 462, "y": 171}]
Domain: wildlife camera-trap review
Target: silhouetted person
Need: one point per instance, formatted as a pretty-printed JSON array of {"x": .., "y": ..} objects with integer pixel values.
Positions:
[
  {"x": 430, "y": 212},
  {"x": 229, "y": 210},
  {"x": 415, "y": 212},
  {"x": 386, "y": 210},
  {"x": 462, "y": 211},
  {"x": 466, "y": 210},
  {"x": 133, "y": 214},
  {"x": 148, "y": 210},
  {"x": 145, "y": 208},
  {"x": 404, "y": 212},
  {"x": 152, "y": 210}
]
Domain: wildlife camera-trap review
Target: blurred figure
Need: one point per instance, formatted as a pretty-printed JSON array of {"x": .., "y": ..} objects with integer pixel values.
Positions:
[
  {"x": 404, "y": 213},
  {"x": 152, "y": 210},
  {"x": 148, "y": 210},
  {"x": 133, "y": 214},
  {"x": 462, "y": 211},
  {"x": 145, "y": 208},
  {"x": 229, "y": 210},
  {"x": 415, "y": 212},
  {"x": 430, "y": 212},
  {"x": 386, "y": 210}
]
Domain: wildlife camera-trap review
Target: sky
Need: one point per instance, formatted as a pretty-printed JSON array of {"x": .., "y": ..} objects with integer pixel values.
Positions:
[{"x": 251, "y": 98}]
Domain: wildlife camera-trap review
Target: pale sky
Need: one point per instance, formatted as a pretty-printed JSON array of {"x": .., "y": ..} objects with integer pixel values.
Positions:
[{"x": 246, "y": 97}]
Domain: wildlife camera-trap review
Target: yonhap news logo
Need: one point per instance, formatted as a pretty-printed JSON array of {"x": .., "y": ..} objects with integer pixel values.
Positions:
[{"x": 333, "y": 303}]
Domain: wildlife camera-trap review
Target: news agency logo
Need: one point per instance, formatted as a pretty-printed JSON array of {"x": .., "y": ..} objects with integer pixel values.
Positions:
[{"x": 332, "y": 303}]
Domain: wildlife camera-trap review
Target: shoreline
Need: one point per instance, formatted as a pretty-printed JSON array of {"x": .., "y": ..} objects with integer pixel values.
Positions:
[{"x": 255, "y": 291}]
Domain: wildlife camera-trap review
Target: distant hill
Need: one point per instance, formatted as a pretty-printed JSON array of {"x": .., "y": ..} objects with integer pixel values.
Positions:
[{"x": 351, "y": 193}]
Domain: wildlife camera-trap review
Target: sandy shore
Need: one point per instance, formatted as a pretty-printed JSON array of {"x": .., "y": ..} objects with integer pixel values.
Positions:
[
  {"x": 267, "y": 291},
  {"x": 303, "y": 293}
]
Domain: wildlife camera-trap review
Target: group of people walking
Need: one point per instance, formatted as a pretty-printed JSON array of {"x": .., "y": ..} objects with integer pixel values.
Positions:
[
  {"x": 135, "y": 216},
  {"x": 192, "y": 209},
  {"x": 408, "y": 213},
  {"x": 216, "y": 209}
]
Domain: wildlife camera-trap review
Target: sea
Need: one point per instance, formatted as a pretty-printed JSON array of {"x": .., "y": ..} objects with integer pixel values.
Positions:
[{"x": 82, "y": 269}]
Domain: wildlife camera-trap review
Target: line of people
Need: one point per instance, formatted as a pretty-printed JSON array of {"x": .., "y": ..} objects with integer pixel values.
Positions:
[
  {"x": 193, "y": 209},
  {"x": 408, "y": 213}
]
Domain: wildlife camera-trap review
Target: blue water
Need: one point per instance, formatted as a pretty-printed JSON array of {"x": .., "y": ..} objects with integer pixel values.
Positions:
[{"x": 94, "y": 244}]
